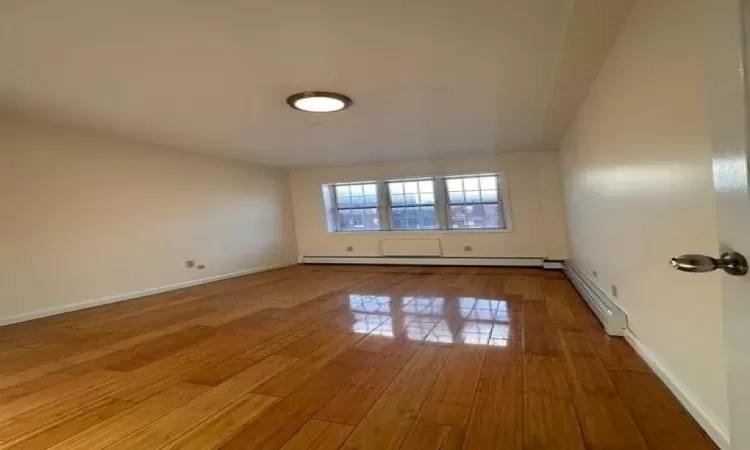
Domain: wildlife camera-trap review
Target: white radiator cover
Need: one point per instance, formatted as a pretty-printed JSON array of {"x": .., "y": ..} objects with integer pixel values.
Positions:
[{"x": 613, "y": 319}]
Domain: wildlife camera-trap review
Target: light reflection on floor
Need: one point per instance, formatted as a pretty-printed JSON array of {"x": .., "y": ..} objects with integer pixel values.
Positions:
[{"x": 469, "y": 320}]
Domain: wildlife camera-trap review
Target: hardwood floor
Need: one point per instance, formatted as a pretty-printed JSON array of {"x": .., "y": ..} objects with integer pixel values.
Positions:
[{"x": 326, "y": 357}]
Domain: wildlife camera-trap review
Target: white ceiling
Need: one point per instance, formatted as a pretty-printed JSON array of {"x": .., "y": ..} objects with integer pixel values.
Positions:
[{"x": 428, "y": 77}]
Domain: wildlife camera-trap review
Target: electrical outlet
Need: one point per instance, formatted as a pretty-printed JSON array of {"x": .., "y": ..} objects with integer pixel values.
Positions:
[
  {"x": 468, "y": 248},
  {"x": 189, "y": 264},
  {"x": 594, "y": 273},
  {"x": 349, "y": 248},
  {"x": 614, "y": 291},
  {"x": 201, "y": 266}
]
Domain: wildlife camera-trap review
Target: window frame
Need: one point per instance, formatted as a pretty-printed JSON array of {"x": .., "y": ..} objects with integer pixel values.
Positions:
[
  {"x": 441, "y": 204},
  {"x": 336, "y": 207},
  {"x": 500, "y": 201},
  {"x": 389, "y": 203}
]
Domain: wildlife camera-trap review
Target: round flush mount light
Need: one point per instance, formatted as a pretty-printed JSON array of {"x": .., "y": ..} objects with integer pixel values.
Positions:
[{"x": 319, "y": 102}]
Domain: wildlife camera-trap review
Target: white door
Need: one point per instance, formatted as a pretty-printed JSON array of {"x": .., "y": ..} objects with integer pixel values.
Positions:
[{"x": 728, "y": 26}]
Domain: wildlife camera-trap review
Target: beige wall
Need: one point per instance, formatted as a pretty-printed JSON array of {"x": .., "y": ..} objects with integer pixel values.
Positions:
[
  {"x": 85, "y": 217},
  {"x": 637, "y": 173},
  {"x": 535, "y": 202}
]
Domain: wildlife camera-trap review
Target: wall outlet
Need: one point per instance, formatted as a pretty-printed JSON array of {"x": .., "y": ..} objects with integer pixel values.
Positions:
[
  {"x": 594, "y": 273},
  {"x": 349, "y": 248},
  {"x": 201, "y": 266},
  {"x": 468, "y": 248},
  {"x": 614, "y": 291},
  {"x": 189, "y": 264}
]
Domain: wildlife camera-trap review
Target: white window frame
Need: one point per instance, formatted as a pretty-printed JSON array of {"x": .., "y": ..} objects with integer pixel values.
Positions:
[
  {"x": 442, "y": 206},
  {"x": 501, "y": 200},
  {"x": 390, "y": 206}
]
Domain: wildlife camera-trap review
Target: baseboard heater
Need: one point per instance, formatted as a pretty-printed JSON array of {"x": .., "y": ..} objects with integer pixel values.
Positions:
[
  {"x": 613, "y": 319},
  {"x": 426, "y": 261}
]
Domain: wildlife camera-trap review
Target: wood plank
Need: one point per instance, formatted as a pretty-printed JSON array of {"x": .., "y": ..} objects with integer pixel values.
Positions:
[
  {"x": 606, "y": 423},
  {"x": 545, "y": 375},
  {"x": 616, "y": 354},
  {"x": 65, "y": 396},
  {"x": 496, "y": 426},
  {"x": 178, "y": 422},
  {"x": 288, "y": 380},
  {"x": 319, "y": 435},
  {"x": 550, "y": 422},
  {"x": 150, "y": 351},
  {"x": 389, "y": 420},
  {"x": 426, "y": 435},
  {"x": 222, "y": 427},
  {"x": 587, "y": 374},
  {"x": 52, "y": 433},
  {"x": 351, "y": 404},
  {"x": 457, "y": 381},
  {"x": 396, "y": 354},
  {"x": 276, "y": 426},
  {"x": 660, "y": 419},
  {"x": 116, "y": 428}
]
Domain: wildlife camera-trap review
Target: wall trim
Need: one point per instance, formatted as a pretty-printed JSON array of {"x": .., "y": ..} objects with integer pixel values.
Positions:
[
  {"x": 612, "y": 317},
  {"x": 712, "y": 425},
  {"x": 131, "y": 295},
  {"x": 425, "y": 261}
]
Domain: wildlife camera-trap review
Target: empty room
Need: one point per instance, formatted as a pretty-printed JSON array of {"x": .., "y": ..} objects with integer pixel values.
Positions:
[{"x": 394, "y": 224}]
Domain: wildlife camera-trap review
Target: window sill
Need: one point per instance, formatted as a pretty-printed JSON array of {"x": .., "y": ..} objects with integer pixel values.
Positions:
[{"x": 395, "y": 232}]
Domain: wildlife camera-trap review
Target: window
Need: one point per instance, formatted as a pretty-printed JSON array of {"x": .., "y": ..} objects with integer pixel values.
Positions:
[
  {"x": 473, "y": 202},
  {"x": 357, "y": 207},
  {"x": 412, "y": 205},
  {"x": 454, "y": 202}
]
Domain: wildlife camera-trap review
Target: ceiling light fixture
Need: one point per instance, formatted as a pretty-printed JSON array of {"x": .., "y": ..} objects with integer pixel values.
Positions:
[{"x": 319, "y": 102}]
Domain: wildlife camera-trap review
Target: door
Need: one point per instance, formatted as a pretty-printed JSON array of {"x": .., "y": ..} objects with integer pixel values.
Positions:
[{"x": 728, "y": 26}]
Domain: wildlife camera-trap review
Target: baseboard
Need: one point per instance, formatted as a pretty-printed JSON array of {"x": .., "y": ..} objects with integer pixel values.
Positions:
[
  {"x": 554, "y": 264},
  {"x": 614, "y": 319},
  {"x": 129, "y": 296},
  {"x": 713, "y": 427},
  {"x": 425, "y": 261}
]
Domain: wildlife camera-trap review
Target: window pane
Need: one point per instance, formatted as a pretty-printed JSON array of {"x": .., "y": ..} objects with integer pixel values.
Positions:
[
  {"x": 427, "y": 199},
  {"x": 425, "y": 186},
  {"x": 473, "y": 197},
  {"x": 411, "y": 199},
  {"x": 488, "y": 183},
  {"x": 397, "y": 199},
  {"x": 471, "y": 184},
  {"x": 458, "y": 216},
  {"x": 359, "y": 219},
  {"x": 474, "y": 216},
  {"x": 396, "y": 188},
  {"x": 454, "y": 184},
  {"x": 414, "y": 218},
  {"x": 489, "y": 196},
  {"x": 354, "y": 195},
  {"x": 411, "y": 187},
  {"x": 456, "y": 197},
  {"x": 427, "y": 218}
]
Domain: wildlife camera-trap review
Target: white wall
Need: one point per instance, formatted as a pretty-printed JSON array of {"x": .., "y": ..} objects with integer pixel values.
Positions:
[
  {"x": 637, "y": 173},
  {"x": 536, "y": 207},
  {"x": 84, "y": 216}
]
